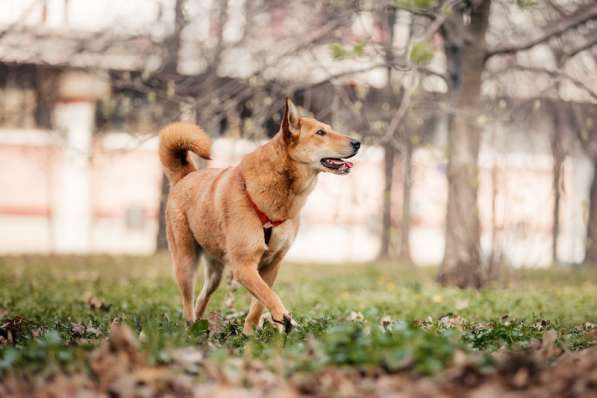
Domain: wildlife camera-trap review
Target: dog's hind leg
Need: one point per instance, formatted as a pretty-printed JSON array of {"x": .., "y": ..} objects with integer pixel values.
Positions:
[
  {"x": 213, "y": 276},
  {"x": 184, "y": 252}
]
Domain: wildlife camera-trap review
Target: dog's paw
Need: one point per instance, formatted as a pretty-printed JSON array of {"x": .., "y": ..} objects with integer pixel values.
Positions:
[
  {"x": 248, "y": 330},
  {"x": 294, "y": 323},
  {"x": 285, "y": 324}
]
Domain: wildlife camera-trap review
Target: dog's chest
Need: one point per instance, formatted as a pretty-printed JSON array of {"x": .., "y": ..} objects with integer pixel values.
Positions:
[{"x": 281, "y": 240}]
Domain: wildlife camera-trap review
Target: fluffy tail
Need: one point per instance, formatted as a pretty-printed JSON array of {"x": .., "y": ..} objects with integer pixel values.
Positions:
[{"x": 176, "y": 139}]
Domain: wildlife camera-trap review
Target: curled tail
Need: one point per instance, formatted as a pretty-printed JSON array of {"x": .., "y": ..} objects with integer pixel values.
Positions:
[{"x": 176, "y": 139}]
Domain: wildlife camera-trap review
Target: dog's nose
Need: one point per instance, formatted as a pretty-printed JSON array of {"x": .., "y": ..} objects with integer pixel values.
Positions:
[{"x": 355, "y": 144}]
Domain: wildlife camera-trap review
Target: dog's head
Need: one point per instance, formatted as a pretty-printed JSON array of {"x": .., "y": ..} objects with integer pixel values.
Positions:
[{"x": 312, "y": 142}]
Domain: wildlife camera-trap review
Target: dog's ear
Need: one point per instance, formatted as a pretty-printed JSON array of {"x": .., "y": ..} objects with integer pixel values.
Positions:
[{"x": 291, "y": 125}]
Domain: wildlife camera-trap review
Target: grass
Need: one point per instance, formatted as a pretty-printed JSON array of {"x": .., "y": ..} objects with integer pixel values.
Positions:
[{"x": 54, "y": 310}]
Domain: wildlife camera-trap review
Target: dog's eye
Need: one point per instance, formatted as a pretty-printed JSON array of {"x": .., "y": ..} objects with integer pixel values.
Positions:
[{"x": 321, "y": 133}]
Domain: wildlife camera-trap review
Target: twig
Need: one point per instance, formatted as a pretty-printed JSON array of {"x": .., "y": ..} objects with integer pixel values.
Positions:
[{"x": 579, "y": 17}]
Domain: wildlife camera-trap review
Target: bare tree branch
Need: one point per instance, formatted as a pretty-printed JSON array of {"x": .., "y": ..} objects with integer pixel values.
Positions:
[
  {"x": 20, "y": 19},
  {"x": 440, "y": 19},
  {"x": 576, "y": 19},
  {"x": 426, "y": 71},
  {"x": 558, "y": 74},
  {"x": 557, "y": 8},
  {"x": 572, "y": 53}
]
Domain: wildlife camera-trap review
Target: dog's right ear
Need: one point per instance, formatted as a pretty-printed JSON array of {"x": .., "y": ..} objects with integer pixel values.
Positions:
[{"x": 291, "y": 125}]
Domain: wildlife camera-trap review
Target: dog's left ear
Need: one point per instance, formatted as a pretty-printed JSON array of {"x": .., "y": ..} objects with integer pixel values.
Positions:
[{"x": 291, "y": 125}]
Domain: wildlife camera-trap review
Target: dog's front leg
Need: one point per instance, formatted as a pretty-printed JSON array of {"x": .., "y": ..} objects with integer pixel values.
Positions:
[
  {"x": 247, "y": 274},
  {"x": 268, "y": 274}
]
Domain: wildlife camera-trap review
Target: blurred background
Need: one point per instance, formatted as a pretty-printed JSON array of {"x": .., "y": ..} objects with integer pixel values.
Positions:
[{"x": 478, "y": 116}]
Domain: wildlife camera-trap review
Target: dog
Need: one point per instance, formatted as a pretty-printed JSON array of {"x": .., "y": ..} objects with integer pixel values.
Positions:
[{"x": 245, "y": 216}]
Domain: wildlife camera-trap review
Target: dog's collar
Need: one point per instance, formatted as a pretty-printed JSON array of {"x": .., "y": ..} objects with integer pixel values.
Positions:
[{"x": 265, "y": 220}]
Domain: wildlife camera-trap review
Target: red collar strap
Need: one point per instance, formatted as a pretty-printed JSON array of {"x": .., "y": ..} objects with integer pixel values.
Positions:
[{"x": 265, "y": 220}]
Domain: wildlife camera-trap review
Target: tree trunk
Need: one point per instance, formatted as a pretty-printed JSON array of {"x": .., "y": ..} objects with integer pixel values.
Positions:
[
  {"x": 389, "y": 19},
  {"x": 404, "y": 253},
  {"x": 45, "y": 89},
  {"x": 386, "y": 224},
  {"x": 558, "y": 159},
  {"x": 170, "y": 69},
  {"x": 462, "y": 260},
  {"x": 494, "y": 262},
  {"x": 591, "y": 243},
  {"x": 161, "y": 242}
]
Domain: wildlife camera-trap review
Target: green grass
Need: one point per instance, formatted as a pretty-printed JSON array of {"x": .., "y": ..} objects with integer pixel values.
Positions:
[{"x": 44, "y": 305}]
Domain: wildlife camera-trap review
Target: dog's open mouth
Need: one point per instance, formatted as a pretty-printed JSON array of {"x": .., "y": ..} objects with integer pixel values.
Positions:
[{"x": 337, "y": 165}]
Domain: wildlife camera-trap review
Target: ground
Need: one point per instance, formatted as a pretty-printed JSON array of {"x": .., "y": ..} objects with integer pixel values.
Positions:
[{"x": 112, "y": 326}]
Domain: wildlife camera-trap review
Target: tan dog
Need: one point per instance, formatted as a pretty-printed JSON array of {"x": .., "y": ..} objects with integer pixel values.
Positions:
[{"x": 245, "y": 216}]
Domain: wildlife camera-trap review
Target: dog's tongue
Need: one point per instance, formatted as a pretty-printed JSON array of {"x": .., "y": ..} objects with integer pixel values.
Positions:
[
  {"x": 337, "y": 164},
  {"x": 346, "y": 165}
]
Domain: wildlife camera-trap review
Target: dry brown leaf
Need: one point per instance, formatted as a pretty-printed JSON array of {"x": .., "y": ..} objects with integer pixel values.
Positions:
[
  {"x": 451, "y": 321},
  {"x": 489, "y": 390},
  {"x": 77, "y": 385},
  {"x": 425, "y": 323},
  {"x": 355, "y": 316},
  {"x": 214, "y": 322},
  {"x": 461, "y": 304},
  {"x": 77, "y": 330},
  {"x": 189, "y": 358},
  {"x": 385, "y": 321},
  {"x": 549, "y": 349},
  {"x": 117, "y": 356},
  {"x": 235, "y": 315},
  {"x": 521, "y": 378},
  {"x": 223, "y": 391},
  {"x": 95, "y": 303},
  {"x": 11, "y": 328},
  {"x": 89, "y": 329}
]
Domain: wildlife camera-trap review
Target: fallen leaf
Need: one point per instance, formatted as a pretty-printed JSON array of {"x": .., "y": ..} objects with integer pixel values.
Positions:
[
  {"x": 461, "y": 304},
  {"x": 95, "y": 303},
  {"x": 12, "y": 328},
  {"x": 117, "y": 356},
  {"x": 355, "y": 316},
  {"x": 521, "y": 378},
  {"x": 77, "y": 330},
  {"x": 549, "y": 349},
  {"x": 89, "y": 329},
  {"x": 235, "y": 315},
  {"x": 189, "y": 358},
  {"x": 386, "y": 321},
  {"x": 450, "y": 321},
  {"x": 215, "y": 323},
  {"x": 425, "y": 323}
]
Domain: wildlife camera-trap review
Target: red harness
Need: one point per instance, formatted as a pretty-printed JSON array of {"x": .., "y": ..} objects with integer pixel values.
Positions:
[
  {"x": 268, "y": 224},
  {"x": 265, "y": 220}
]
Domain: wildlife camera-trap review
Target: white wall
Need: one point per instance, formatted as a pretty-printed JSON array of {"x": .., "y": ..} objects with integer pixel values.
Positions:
[{"x": 340, "y": 222}]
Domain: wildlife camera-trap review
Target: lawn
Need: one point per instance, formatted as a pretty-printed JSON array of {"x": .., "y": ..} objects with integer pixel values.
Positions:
[{"x": 68, "y": 323}]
